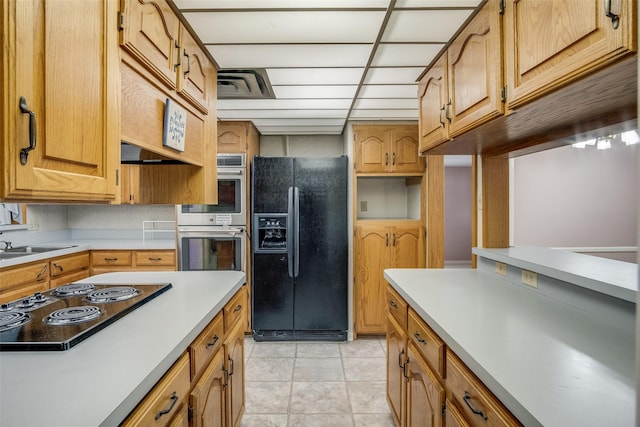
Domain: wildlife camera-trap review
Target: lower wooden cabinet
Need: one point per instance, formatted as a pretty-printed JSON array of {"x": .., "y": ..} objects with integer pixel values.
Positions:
[
  {"x": 207, "y": 399},
  {"x": 108, "y": 261},
  {"x": 428, "y": 385},
  {"x": 213, "y": 371},
  {"x": 163, "y": 402}
]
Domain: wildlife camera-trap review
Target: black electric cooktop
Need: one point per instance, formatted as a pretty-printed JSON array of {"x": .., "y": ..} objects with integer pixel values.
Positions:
[{"x": 62, "y": 317}]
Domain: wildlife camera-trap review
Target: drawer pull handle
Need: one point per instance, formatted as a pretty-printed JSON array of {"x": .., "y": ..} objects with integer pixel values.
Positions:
[
  {"x": 393, "y": 304},
  {"x": 232, "y": 370},
  {"x": 238, "y": 308},
  {"x": 58, "y": 266},
  {"x": 39, "y": 276},
  {"x": 420, "y": 340},
  {"x": 155, "y": 259},
  {"x": 215, "y": 340},
  {"x": 174, "y": 400},
  {"x": 467, "y": 400},
  {"x": 111, "y": 259},
  {"x": 400, "y": 362}
]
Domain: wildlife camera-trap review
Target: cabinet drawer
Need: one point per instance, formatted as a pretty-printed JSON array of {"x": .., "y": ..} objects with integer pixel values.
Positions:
[
  {"x": 151, "y": 258},
  {"x": 12, "y": 294},
  {"x": 116, "y": 258},
  {"x": 235, "y": 309},
  {"x": 164, "y": 400},
  {"x": 479, "y": 405},
  {"x": 34, "y": 272},
  {"x": 205, "y": 346},
  {"x": 69, "y": 264},
  {"x": 428, "y": 342},
  {"x": 397, "y": 306},
  {"x": 68, "y": 278}
]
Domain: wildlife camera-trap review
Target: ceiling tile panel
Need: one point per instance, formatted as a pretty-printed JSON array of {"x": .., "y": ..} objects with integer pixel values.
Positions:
[
  {"x": 385, "y": 103},
  {"x": 389, "y": 91},
  {"x": 385, "y": 114},
  {"x": 316, "y": 92},
  {"x": 279, "y": 114},
  {"x": 284, "y": 104},
  {"x": 315, "y": 76},
  {"x": 393, "y": 75},
  {"x": 406, "y": 55},
  {"x": 298, "y": 122},
  {"x": 437, "y": 3},
  {"x": 283, "y": 27},
  {"x": 290, "y": 56},
  {"x": 424, "y": 25},
  {"x": 282, "y": 4}
]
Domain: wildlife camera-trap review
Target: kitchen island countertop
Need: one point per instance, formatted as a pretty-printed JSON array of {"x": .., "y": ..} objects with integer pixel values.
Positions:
[
  {"x": 550, "y": 363},
  {"x": 100, "y": 380}
]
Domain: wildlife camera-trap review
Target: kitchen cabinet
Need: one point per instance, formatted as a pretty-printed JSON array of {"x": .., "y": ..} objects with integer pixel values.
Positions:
[
  {"x": 425, "y": 395},
  {"x": 387, "y": 149},
  {"x": 161, "y": 61},
  {"x": 551, "y": 44},
  {"x": 123, "y": 260},
  {"x": 59, "y": 110},
  {"x": 427, "y": 383},
  {"x": 396, "y": 361},
  {"x": 234, "y": 371},
  {"x": 463, "y": 89},
  {"x": 23, "y": 280},
  {"x": 163, "y": 402},
  {"x": 241, "y": 137},
  {"x": 69, "y": 268},
  {"x": 379, "y": 245},
  {"x": 207, "y": 399}
]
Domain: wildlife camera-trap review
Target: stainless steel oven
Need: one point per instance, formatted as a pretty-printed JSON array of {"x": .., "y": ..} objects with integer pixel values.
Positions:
[
  {"x": 232, "y": 196},
  {"x": 212, "y": 248}
]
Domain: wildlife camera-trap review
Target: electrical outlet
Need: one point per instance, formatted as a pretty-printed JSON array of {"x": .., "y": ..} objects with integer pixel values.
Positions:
[
  {"x": 363, "y": 206},
  {"x": 501, "y": 268},
  {"x": 35, "y": 227},
  {"x": 530, "y": 278}
]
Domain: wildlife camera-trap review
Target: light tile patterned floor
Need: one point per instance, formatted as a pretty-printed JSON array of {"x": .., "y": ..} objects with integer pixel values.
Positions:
[{"x": 316, "y": 384}]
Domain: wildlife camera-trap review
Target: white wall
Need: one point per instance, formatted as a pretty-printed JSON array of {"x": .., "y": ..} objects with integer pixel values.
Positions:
[
  {"x": 302, "y": 146},
  {"x": 569, "y": 197},
  {"x": 457, "y": 213}
]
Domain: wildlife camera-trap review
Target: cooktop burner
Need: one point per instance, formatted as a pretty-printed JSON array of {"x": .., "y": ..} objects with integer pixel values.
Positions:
[{"x": 62, "y": 317}]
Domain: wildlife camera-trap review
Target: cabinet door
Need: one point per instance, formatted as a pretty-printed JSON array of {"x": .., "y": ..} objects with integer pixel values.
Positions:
[
  {"x": 453, "y": 417},
  {"x": 62, "y": 100},
  {"x": 232, "y": 137},
  {"x": 234, "y": 361},
  {"x": 149, "y": 32},
  {"x": 551, "y": 43},
  {"x": 193, "y": 72},
  {"x": 425, "y": 395},
  {"x": 207, "y": 399},
  {"x": 371, "y": 149},
  {"x": 371, "y": 252},
  {"x": 396, "y": 358},
  {"x": 433, "y": 97},
  {"x": 405, "y": 155},
  {"x": 475, "y": 71},
  {"x": 407, "y": 242}
]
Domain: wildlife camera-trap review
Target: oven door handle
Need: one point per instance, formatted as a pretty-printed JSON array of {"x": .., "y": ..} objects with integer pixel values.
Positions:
[
  {"x": 229, "y": 171},
  {"x": 208, "y": 233}
]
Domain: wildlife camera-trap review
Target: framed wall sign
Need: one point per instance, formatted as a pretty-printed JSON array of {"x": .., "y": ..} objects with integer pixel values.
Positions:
[{"x": 175, "y": 125}]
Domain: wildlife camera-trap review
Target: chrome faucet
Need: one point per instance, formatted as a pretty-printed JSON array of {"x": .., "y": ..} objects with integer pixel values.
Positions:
[{"x": 7, "y": 245}]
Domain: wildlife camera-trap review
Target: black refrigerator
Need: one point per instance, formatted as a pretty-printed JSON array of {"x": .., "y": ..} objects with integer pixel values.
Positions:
[{"x": 299, "y": 248}]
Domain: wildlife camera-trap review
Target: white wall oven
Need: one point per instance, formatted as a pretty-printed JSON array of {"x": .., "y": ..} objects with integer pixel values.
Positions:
[
  {"x": 231, "y": 209},
  {"x": 212, "y": 248}
]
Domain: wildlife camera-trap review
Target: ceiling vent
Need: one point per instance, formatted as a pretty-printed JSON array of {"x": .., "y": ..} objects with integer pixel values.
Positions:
[{"x": 244, "y": 84}]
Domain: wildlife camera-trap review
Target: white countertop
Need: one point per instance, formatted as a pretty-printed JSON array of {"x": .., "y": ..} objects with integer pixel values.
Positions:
[
  {"x": 80, "y": 245},
  {"x": 100, "y": 380},
  {"x": 607, "y": 276},
  {"x": 549, "y": 363}
]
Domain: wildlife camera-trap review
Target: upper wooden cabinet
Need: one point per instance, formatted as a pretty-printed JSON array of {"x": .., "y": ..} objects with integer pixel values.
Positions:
[
  {"x": 550, "y": 44},
  {"x": 195, "y": 67},
  {"x": 238, "y": 137},
  {"x": 387, "y": 148},
  {"x": 150, "y": 32},
  {"x": 59, "y": 115},
  {"x": 463, "y": 88}
]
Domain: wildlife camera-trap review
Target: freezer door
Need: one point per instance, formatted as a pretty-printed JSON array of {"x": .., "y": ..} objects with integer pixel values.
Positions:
[
  {"x": 272, "y": 293},
  {"x": 320, "y": 298},
  {"x": 271, "y": 178}
]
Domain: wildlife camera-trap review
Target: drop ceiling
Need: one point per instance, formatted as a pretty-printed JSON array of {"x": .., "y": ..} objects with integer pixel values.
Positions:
[{"x": 327, "y": 61}]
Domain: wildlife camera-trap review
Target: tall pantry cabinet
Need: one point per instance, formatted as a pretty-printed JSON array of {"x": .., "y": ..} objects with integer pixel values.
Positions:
[
  {"x": 59, "y": 122},
  {"x": 389, "y": 226}
]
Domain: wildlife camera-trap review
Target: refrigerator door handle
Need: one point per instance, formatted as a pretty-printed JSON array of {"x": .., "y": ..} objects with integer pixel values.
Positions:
[
  {"x": 290, "y": 238},
  {"x": 296, "y": 236}
]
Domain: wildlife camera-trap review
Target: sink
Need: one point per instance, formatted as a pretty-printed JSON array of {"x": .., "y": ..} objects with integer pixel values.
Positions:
[{"x": 19, "y": 251}]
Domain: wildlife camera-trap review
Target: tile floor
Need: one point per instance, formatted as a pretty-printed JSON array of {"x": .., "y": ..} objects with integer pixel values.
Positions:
[{"x": 309, "y": 384}]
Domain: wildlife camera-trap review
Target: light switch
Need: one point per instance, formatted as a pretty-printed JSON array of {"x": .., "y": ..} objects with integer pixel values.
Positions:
[{"x": 363, "y": 206}]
